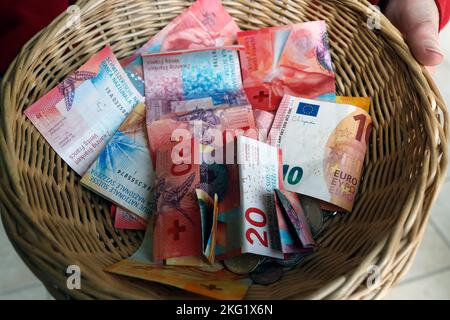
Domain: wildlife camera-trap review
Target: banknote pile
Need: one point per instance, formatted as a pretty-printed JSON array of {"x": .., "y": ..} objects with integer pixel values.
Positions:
[{"x": 229, "y": 148}]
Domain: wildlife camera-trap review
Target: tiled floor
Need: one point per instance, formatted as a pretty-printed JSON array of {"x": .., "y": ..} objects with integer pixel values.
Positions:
[{"x": 429, "y": 277}]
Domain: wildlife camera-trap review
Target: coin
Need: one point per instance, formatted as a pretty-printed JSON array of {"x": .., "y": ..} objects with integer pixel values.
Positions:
[
  {"x": 291, "y": 261},
  {"x": 216, "y": 266},
  {"x": 244, "y": 263},
  {"x": 267, "y": 273},
  {"x": 313, "y": 214}
]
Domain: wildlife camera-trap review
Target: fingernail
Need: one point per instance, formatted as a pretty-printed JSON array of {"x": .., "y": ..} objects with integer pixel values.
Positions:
[{"x": 433, "y": 46}]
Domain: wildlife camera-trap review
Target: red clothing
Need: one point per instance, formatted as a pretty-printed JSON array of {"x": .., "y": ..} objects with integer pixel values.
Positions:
[
  {"x": 443, "y": 6},
  {"x": 20, "y": 20},
  {"x": 444, "y": 11}
]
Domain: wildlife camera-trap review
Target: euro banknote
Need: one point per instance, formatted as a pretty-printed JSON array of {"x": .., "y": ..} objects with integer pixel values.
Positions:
[
  {"x": 323, "y": 146},
  {"x": 123, "y": 172},
  {"x": 204, "y": 24},
  {"x": 293, "y": 59},
  {"x": 81, "y": 114}
]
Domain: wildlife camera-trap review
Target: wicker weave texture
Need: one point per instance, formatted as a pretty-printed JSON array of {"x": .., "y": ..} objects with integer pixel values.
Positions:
[{"x": 53, "y": 222}]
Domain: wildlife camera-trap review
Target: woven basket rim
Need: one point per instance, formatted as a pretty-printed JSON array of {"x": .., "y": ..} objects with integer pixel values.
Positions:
[{"x": 394, "y": 253}]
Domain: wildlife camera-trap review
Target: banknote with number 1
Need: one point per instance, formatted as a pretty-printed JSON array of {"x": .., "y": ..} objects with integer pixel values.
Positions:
[{"x": 323, "y": 146}]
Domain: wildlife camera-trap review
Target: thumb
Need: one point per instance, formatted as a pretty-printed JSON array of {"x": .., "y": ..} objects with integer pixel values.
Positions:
[{"x": 418, "y": 20}]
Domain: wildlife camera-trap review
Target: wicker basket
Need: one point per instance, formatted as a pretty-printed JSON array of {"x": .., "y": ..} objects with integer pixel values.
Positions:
[{"x": 53, "y": 222}]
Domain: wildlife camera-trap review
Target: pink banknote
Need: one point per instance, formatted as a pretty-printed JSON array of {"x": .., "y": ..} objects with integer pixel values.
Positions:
[
  {"x": 80, "y": 115},
  {"x": 124, "y": 219},
  {"x": 205, "y": 24},
  {"x": 178, "y": 231},
  {"x": 293, "y": 59},
  {"x": 263, "y": 121}
]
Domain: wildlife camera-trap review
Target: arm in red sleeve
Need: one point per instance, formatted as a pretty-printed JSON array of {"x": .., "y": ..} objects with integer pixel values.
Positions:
[
  {"x": 444, "y": 12},
  {"x": 21, "y": 20}
]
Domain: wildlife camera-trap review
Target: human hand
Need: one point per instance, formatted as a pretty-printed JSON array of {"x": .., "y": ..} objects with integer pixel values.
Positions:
[{"x": 418, "y": 20}]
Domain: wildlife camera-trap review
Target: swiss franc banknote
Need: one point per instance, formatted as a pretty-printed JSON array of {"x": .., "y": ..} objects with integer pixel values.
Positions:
[
  {"x": 288, "y": 241},
  {"x": 123, "y": 172},
  {"x": 323, "y": 146},
  {"x": 212, "y": 127},
  {"x": 205, "y": 24},
  {"x": 124, "y": 219},
  {"x": 223, "y": 179},
  {"x": 191, "y": 80},
  {"x": 208, "y": 280},
  {"x": 293, "y": 60},
  {"x": 263, "y": 121},
  {"x": 209, "y": 211},
  {"x": 178, "y": 231},
  {"x": 360, "y": 102},
  {"x": 81, "y": 114},
  {"x": 221, "y": 284},
  {"x": 259, "y": 172},
  {"x": 196, "y": 86},
  {"x": 294, "y": 214}
]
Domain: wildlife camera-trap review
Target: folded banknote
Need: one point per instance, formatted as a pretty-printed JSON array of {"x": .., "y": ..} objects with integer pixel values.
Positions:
[
  {"x": 184, "y": 81},
  {"x": 124, "y": 219},
  {"x": 204, "y": 24},
  {"x": 123, "y": 172},
  {"x": 297, "y": 225},
  {"x": 293, "y": 59},
  {"x": 178, "y": 229},
  {"x": 259, "y": 174},
  {"x": 323, "y": 146},
  {"x": 81, "y": 114},
  {"x": 208, "y": 280}
]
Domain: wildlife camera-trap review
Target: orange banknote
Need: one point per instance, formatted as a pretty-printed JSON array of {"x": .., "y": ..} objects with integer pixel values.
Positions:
[{"x": 220, "y": 284}]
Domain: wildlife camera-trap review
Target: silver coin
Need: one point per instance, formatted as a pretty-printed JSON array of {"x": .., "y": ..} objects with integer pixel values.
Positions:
[
  {"x": 291, "y": 261},
  {"x": 313, "y": 214},
  {"x": 216, "y": 266},
  {"x": 267, "y": 273},
  {"x": 244, "y": 263}
]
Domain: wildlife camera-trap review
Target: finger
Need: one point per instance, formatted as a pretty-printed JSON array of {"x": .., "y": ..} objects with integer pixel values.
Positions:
[
  {"x": 423, "y": 39},
  {"x": 418, "y": 20},
  {"x": 431, "y": 69}
]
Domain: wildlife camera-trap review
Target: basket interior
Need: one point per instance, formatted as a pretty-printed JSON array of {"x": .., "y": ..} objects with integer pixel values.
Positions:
[{"x": 54, "y": 222}]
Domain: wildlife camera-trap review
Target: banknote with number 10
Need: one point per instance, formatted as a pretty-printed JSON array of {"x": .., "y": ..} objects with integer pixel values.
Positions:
[
  {"x": 323, "y": 147},
  {"x": 80, "y": 115}
]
